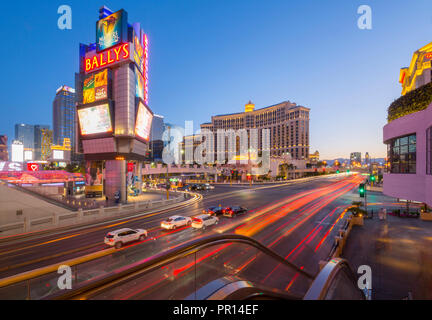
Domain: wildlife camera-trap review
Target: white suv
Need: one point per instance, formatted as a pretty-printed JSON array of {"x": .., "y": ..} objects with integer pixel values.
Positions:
[
  {"x": 203, "y": 221},
  {"x": 176, "y": 221},
  {"x": 122, "y": 236}
]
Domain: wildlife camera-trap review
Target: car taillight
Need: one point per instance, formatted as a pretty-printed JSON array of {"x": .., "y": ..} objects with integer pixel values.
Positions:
[
  {"x": 211, "y": 212},
  {"x": 231, "y": 211}
]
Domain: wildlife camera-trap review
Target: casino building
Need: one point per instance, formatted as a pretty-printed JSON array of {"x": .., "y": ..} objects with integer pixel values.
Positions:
[
  {"x": 113, "y": 116},
  {"x": 408, "y": 133},
  {"x": 288, "y": 124}
]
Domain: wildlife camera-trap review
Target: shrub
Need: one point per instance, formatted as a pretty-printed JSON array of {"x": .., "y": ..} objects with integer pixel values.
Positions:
[{"x": 414, "y": 101}]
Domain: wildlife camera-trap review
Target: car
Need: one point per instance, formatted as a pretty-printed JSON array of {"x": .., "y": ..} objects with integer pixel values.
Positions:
[
  {"x": 234, "y": 210},
  {"x": 175, "y": 222},
  {"x": 120, "y": 237},
  {"x": 184, "y": 188},
  {"x": 207, "y": 186},
  {"x": 214, "y": 211},
  {"x": 204, "y": 220}
]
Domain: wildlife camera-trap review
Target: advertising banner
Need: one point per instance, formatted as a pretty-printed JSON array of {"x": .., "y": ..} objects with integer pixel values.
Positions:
[
  {"x": 95, "y": 87},
  {"x": 94, "y": 173},
  {"x": 143, "y": 122},
  {"x": 139, "y": 84},
  {"x": 111, "y": 30},
  {"x": 95, "y": 119},
  {"x": 138, "y": 54}
]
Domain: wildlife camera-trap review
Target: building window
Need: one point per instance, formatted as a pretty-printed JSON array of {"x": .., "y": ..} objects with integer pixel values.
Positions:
[
  {"x": 402, "y": 154},
  {"x": 429, "y": 151}
]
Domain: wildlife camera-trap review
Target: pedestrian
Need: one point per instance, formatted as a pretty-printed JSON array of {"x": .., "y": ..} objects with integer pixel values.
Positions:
[
  {"x": 106, "y": 200},
  {"x": 385, "y": 214}
]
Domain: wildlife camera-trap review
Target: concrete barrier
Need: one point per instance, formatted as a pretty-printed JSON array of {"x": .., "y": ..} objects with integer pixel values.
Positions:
[
  {"x": 80, "y": 216},
  {"x": 342, "y": 238}
]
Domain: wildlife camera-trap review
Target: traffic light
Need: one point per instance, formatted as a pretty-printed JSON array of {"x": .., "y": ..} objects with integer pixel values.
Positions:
[
  {"x": 372, "y": 178},
  {"x": 337, "y": 171},
  {"x": 348, "y": 171},
  {"x": 362, "y": 190}
]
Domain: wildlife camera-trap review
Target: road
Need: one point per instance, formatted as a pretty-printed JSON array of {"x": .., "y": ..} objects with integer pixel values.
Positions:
[{"x": 297, "y": 220}]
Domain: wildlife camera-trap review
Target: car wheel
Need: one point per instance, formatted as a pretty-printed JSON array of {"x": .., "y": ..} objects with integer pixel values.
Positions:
[
  {"x": 118, "y": 245},
  {"x": 142, "y": 237},
  {"x": 217, "y": 221},
  {"x": 204, "y": 226},
  {"x": 174, "y": 227},
  {"x": 189, "y": 223}
]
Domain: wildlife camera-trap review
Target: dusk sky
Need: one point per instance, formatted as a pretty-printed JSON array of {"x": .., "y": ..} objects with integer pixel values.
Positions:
[{"x": 211, "y": 57}]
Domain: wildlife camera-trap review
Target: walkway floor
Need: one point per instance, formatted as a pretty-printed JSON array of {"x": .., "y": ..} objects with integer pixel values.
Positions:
[
  {"x": 399, "y": 253},
  {"x": 12, "y": 200}
]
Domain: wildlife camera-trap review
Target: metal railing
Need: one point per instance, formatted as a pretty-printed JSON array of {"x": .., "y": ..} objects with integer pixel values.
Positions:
[{"x": 193, "y": 270}]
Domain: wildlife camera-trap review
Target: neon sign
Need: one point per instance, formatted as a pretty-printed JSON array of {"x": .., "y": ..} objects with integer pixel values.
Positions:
[
  {"x": 107, "y": 58},
  {"x": 32, "y": 167}
]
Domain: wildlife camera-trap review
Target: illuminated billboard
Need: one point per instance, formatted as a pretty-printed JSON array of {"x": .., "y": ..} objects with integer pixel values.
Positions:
[
  {"x": 95, "y": 119},
  {"x": 138, "y": 53},
  {"x": 17, "y": 151},
  {"x": 58, "y": 155},
  {"x": 95, "y": 87},
  {"x": 111, "y": 30},
  {"x": 143, "y": 122},
  {"x": 28, "y": 155},
  {"x": 139, "y": 84}
]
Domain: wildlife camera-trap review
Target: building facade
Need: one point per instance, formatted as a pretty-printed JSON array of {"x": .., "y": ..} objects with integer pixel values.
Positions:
[
  {"x": 408, "y": 134},
  {"x": 4, "y": 154},
  {"x": 38, "y": 137},
  {"x": 25, "y": 134},
  {"x": 355, "y": 158},
  {"x": 64, "y": 115},
  {"x": 156, "y": 142},
  {"x": 288, "y": 124}
]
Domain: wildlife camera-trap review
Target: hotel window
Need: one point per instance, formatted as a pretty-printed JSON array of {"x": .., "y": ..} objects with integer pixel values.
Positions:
[
  {"x": 429, "y": 151},
  {"x": 402, "y": 154}
]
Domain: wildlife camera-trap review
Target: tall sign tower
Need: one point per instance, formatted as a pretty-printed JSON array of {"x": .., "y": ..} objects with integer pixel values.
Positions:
[{"x": 114, "y": 119}]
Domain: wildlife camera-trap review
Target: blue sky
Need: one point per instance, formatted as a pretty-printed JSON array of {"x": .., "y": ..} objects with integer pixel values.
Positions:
[{"x": 210, "y": 57}]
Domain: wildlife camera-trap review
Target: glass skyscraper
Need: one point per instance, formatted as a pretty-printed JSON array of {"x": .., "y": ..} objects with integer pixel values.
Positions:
[
  {"x": 64, "y": 115},
  {"x": 25, "y": 134}
]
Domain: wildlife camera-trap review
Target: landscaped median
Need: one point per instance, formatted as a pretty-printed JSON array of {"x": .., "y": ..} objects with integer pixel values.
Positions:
[{"x": 84, "y": 217}]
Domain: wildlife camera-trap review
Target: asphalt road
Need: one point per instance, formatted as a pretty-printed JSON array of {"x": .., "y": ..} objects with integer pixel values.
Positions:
[{"x": 298, "y": 221}]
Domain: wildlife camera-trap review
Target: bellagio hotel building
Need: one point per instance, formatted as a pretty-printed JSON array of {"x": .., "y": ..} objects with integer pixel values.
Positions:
[{"x": 288, "y": 124}]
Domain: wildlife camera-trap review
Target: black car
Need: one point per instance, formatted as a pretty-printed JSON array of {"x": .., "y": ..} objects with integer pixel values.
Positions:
[
  {"x": 214, "y": 211},
  {"x": 184, "y": 188},
  {"x": 233, "y": 210}
]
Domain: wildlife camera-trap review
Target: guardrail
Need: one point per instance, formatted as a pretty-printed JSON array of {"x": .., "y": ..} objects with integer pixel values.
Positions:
[{"x": 80, "y": 216}]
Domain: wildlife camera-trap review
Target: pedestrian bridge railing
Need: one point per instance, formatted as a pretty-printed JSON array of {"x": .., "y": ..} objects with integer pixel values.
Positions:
[{"x": 226, "y": 266}]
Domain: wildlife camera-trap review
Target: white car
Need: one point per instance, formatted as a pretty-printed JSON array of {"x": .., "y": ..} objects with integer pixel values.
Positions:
[
  {"x": 203, "y": 221},
  {"x": 175, "y": 222},
  {"x": 122, "y": 236}
]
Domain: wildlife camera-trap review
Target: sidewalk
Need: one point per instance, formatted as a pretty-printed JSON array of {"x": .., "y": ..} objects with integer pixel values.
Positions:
[
  {"x": 12, "y": 200},
  {"x": 399, "y": 253}
]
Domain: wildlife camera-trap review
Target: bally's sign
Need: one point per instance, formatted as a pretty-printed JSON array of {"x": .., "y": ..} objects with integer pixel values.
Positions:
[{"x": 108, "y": 58}]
